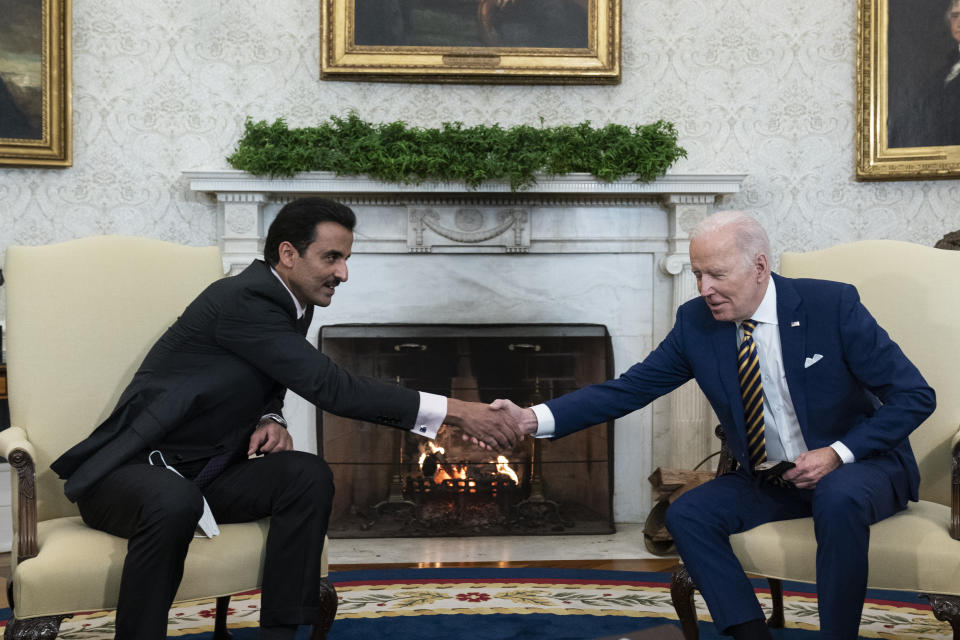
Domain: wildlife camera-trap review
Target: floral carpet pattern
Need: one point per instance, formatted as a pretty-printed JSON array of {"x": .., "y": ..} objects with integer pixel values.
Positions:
[{"x": 366, "y": 596}]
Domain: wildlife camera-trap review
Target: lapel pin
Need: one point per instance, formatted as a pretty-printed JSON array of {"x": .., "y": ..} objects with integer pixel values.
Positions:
[{"x": 795, "y": 323}]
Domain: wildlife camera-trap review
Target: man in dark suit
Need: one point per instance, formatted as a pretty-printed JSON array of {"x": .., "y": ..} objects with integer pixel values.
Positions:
[
  {"x": 834, "y": 395},
  {"x": 208, "y": 397}
]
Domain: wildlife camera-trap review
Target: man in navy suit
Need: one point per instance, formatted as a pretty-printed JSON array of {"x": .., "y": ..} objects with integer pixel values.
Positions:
[{"x": 839, "y": 400}]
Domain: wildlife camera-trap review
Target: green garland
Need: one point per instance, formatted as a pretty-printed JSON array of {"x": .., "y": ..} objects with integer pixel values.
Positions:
[{"x": 394, "y": 152}]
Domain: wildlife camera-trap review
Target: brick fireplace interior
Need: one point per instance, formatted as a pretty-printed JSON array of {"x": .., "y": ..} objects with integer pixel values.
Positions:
[{"x": 393, "y": 483}]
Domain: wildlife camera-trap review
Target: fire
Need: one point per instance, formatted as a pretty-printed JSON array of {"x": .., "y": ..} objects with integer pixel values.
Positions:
[
  {"x": 447, "y": 471},
  {"x": 432, "y": 449},
  {"x": 503, "y": 468},
  {"x": 459, "y": 473}
]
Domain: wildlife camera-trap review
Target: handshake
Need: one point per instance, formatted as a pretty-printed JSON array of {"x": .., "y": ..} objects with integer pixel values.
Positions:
[{"x": 499, "y": 425}]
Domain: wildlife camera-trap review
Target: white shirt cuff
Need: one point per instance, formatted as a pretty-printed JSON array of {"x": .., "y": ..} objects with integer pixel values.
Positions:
[
  {"x": 546, "y": 426},
  {"x": 845, "y": 454},
  {"x": 433, "y": 409}
]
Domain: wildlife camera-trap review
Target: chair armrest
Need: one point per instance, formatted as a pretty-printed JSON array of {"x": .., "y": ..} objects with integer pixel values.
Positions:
[
  {"x": 15, "y": 447},
  {"x": 955, "y": 488},
  {"x": 727, "y": 462},
  {"x": 14, "y": 438}
]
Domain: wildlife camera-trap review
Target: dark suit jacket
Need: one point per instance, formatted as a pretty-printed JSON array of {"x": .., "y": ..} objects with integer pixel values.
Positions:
[
  {"x": 863, "y": 392},
  {"x": 224, "y": 363}
]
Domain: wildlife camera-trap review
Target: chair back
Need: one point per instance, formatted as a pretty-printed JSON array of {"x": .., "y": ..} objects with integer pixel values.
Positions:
[
  {"x": 81, "y": 316},
  {"x": 914, "y": 293}
]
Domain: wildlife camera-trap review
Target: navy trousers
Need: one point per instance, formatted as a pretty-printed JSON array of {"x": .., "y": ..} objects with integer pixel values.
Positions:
[
  {"x": 843, "y": 505},
  {"x": 158, "y": 511}
]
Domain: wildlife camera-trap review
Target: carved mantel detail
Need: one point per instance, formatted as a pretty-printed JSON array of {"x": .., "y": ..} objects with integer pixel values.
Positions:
[{"x": 504, "y": 229}]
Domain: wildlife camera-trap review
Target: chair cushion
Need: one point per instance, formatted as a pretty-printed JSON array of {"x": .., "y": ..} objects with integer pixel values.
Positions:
[
  {"x": 910, "y": 551},
  {"x": 78, "y": 568}
]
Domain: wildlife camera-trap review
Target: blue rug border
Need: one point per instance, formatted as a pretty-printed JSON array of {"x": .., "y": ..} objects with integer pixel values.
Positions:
[{"x": 534, "y": 573}]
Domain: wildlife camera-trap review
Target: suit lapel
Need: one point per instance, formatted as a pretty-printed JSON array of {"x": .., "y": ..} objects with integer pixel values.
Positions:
[
  {"x": 272, "y": 285},
  {"x": 792, "y": 322},
  {"x": 725, "y": 350}
]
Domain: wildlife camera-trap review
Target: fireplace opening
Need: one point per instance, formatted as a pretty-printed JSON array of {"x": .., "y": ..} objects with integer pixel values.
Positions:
[{"x": 393, "y": 483}]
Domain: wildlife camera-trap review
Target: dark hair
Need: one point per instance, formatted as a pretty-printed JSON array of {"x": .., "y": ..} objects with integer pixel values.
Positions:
[{"x": 297, "y": 222}]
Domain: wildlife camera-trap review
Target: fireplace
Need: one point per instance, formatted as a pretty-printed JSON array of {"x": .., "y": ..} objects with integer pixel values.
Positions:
[
  {"x": 395, "y": 483},
  {"x": 570, "y": 249}
]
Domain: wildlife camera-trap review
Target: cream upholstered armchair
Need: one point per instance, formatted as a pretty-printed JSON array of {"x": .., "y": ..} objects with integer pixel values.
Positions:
[
  {"x": 81, "y": 315},
  {"x": 914, "y": 292}
]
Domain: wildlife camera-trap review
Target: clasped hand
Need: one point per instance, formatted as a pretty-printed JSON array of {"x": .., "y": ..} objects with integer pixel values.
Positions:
[{"x": 496, "y": 426}]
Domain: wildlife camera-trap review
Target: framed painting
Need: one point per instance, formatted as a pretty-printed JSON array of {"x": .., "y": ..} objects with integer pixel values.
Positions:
[
  {"x": 494, "y": 41},
  {"x": 908, "y": 89},
  {"x": 35, "y": 83}
]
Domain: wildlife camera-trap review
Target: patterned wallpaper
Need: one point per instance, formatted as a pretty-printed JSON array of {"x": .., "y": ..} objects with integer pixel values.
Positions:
[{"x": 755, "y": 87}]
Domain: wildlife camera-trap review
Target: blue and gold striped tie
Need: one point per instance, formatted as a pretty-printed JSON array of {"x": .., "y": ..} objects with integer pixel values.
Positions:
[{"x": 751, "y": 388}]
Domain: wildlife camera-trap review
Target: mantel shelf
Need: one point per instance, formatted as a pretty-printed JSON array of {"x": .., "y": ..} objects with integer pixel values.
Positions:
[{"x": 577, "y": 185}]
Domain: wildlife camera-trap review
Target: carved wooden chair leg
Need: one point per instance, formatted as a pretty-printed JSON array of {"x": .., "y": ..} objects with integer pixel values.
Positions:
[
  {"x": 42, "y": 628},
  {"x": 947, "y": 609},
  {"x": 220, "y": 631},
  {"x": 776, "y": 621},
  {"x": 328, "y": 610},
  {"x": 681, "y": 594}
]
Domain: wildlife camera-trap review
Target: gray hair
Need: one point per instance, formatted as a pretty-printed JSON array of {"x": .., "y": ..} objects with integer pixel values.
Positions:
[{"x": 751, "y": 237}]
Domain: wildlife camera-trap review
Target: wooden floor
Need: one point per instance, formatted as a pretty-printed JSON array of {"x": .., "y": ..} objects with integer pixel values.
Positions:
[{"x": 609, "y": 565}]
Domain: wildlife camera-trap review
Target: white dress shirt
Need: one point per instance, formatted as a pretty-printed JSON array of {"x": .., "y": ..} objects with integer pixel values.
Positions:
[
  {"x": 781, "y": 427},
  {"x": 433, "y": 407}
]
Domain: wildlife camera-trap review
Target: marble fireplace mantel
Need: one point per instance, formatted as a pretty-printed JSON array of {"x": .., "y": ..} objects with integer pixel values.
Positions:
[
  {"x": 243, "y": 198},
  {"x": 567, "y": 249}
]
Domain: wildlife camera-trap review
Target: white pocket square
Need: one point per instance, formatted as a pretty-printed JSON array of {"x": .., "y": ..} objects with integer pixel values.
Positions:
[{"x": 809, "y": 362}]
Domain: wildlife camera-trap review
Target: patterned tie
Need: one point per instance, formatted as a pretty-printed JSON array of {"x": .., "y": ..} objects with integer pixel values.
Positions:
[
  {"x": 212, "y": 469},
  {"x": 751, "y": 388}
]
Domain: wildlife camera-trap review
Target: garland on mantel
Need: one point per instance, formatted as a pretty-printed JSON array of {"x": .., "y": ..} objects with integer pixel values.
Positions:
[{"x": 394, "y": 152}]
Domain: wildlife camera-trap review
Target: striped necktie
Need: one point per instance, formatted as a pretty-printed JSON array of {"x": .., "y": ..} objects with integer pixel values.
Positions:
[{"x": 751, "y": 388}]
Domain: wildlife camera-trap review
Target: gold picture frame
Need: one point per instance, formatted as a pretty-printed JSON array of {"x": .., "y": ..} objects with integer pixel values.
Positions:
[
  {"x": 35, "y": 84},
  {"x": 908, "y": 122},
  {"x": 479, "y": 41}
]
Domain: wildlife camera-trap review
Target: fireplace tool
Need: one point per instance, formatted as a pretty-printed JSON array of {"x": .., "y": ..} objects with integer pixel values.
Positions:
[{"x": 536, "y": 510}]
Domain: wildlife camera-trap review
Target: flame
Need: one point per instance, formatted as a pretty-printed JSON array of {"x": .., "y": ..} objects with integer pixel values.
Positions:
[
  {"x": 503, "y": 467},
  {"x": 433, "y": 449},
  {"x": 459, "y": 473}
]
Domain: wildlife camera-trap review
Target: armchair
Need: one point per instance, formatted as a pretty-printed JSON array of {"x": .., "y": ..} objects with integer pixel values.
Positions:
[
  {"x": 81, "y": 315},
  {"x": 914, "y": 293}
]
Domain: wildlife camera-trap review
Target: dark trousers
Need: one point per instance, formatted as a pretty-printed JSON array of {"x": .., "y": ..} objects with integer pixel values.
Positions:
[
  {"x": 843, "y": 505},
  {"x": 158, "y": 510}
]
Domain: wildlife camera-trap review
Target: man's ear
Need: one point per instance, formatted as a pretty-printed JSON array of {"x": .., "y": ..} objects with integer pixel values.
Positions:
[
  {"x": 286, "y": 253},
  {"x": 761, "y": 265}
]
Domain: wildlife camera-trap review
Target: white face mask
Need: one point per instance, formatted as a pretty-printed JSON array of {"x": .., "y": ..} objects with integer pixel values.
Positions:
[{"x": 207, "y": 525}]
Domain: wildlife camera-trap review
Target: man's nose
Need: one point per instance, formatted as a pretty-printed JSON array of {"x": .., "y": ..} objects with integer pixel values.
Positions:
[{"x": 341, "y": 272}]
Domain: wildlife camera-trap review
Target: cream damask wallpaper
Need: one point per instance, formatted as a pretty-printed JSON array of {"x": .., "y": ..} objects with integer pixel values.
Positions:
[{"x": 761, "y": 88}]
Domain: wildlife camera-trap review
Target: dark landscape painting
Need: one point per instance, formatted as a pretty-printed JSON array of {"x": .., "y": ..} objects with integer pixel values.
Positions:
[
  {"x": 552, "y": 24},
  {"x": 21, "y": 73}
]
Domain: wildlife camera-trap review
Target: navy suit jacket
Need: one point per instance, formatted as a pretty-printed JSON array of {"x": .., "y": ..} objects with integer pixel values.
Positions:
[
  {"x": 225, "y": 362},
  {"x": 863, "y": 392}
]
